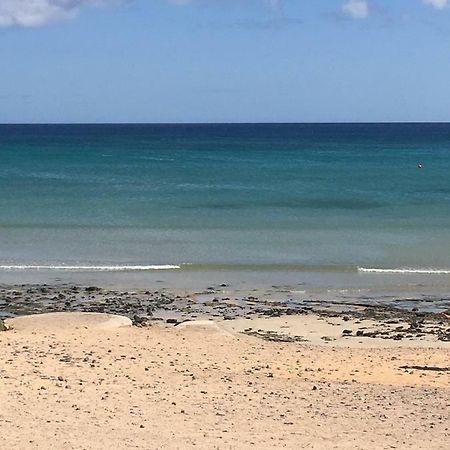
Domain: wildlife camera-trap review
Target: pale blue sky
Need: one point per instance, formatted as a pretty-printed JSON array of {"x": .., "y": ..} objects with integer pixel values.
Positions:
[{"x": 224, "y": 61}]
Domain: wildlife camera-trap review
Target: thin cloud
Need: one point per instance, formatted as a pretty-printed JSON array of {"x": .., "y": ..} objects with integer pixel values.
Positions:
[
  {"x": 356, "y": 9},
  {"x": 437, "y": 4},
  {"x": 38, "y": 13}
]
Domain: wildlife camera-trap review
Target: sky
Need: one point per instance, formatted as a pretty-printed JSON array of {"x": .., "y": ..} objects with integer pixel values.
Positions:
[{"x": 99, "y": 61}]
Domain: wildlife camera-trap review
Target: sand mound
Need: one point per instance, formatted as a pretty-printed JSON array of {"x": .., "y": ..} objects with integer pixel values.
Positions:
[{"x": 67, "y": 321}]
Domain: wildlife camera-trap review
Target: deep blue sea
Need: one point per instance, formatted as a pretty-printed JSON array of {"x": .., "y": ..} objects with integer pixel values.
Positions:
[{"x": 322, "y": 197}]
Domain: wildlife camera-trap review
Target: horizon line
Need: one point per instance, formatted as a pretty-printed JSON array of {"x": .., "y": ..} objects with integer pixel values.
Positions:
[{"x": 412, "y": 122}]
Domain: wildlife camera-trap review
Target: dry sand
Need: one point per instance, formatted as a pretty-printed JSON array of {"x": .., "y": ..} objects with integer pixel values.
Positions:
[
  {"x": 329, "y": 331},
  {"x": 85, "y": 387}
]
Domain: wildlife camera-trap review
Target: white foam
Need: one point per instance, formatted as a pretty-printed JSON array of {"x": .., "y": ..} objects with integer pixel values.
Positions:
[
  {"x": 90, "y": 268},
  {"x": 405, "y": 271}
]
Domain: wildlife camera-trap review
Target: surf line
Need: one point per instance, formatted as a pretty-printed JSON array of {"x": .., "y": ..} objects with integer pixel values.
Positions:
[
  {"x": 405, "y": 271},
  {"x": 91, "y": 268}
]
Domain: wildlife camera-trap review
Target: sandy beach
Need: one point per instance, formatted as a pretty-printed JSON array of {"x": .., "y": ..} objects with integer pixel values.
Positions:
[
  {"x": 224, "y": 225},
  {"x": 82, "y": 382}
]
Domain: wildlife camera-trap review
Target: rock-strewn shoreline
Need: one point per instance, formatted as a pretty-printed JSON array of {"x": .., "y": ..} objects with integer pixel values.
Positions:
[{"x": 220, "y": 303}]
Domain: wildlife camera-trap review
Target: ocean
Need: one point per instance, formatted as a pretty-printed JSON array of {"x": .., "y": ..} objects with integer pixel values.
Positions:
[{"x": 278, "y": 198}]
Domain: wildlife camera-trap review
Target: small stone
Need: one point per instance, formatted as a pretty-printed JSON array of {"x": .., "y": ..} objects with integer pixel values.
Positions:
[
  {"x": 92, "y": 289},
  {"x": 139, "y": 320}
]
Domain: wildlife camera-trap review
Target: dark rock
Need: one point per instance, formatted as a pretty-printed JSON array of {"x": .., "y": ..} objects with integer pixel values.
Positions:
[
  {"x": 92, "y": 289},
  {"x": 430, "y": 368},
  {"x": 139, "y": 320},
  {"x": 173, "y": 321}
]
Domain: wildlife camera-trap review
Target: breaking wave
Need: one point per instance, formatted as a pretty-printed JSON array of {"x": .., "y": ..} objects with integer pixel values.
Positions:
[
  {"x": 116, "y": 268},
  {"x": 406, "y": 271}
]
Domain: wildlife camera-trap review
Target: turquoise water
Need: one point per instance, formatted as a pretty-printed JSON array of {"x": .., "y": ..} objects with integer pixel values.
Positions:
[{"x": 322, "y": 197}]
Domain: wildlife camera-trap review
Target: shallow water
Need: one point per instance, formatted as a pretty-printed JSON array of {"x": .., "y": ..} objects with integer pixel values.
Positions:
[{"x": 317, "y": 199}]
